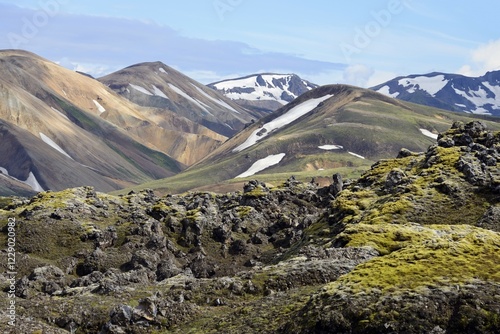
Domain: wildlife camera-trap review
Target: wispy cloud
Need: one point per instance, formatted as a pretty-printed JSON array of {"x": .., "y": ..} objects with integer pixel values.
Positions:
[
  {"x": 98, "y": 43},
  {"x": 441, "y": 35}
]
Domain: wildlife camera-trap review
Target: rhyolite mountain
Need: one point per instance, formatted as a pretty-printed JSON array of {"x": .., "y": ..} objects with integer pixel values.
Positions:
[
  {"x": 263, "y": 92},
  {"x": 413, "y": 246},
  {"x": 477, "y": 95},
  {"x": 157, "y": 85},
  {"x": 334, "y": 128},
  {"x": 63, "y": 129}
]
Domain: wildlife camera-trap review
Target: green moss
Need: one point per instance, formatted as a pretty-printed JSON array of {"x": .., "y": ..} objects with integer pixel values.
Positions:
[
  {"x": 417, "y": 256},
  {"x": 193, "y": 214},
  {"x": 396, "y": 207},
  {"x": 352, "y": 203},
  {"x": 256, "y": 193},
  {"x": 243, "y": 211}
]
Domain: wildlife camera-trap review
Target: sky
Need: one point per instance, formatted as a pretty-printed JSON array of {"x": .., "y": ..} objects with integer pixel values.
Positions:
[{"x": 360, "y": 42}]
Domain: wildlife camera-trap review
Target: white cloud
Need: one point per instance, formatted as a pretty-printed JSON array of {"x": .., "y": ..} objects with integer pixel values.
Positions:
[
  {"x": 364, "y": 76},
  {"x": 357, "y": 75},
  {"x": 325, "y": 78},
  {"x": 98, "y": 45},
  {"x": 380, "y": 77},
  {"x": 483, "y": 59},
  {"x": 96, "y": 70}
]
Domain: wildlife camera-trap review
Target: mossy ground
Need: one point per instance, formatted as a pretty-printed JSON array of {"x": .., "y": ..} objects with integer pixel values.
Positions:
[{"x": 419, "y": 256}]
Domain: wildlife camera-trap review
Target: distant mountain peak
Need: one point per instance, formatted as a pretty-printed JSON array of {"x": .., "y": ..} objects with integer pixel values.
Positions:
[
  {"x": 264, "y": 91},
  {"x": 455, "y": 92},
  {"x": 156, "y": 85}
]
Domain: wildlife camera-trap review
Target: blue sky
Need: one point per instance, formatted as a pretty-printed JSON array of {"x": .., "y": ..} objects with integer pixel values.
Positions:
[{"x": 362, "y": 42}]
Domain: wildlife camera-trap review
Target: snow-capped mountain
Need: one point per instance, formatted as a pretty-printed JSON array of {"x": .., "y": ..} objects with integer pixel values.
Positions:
[
  {"x": 479, "y": 95},
  {"x": 264, "y": 92}
]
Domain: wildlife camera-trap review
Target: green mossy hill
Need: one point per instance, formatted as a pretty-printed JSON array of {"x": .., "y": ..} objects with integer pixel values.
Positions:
[
  {"x": 434, "y": 219},
  {"x": 455, "y": 182}
]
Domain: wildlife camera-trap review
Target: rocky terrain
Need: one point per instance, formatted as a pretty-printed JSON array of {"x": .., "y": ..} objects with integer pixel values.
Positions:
[{"x": 413, "y": 246}]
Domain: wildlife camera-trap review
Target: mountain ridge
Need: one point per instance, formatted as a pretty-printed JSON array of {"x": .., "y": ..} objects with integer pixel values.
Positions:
[
  {"x": 454, "y": 92},
  {"x": 154, "y": 84},
  {"x": 83, "y": 121}
]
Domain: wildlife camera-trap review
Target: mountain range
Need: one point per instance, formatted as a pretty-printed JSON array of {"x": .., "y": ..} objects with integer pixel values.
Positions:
[
  {"x": 265, "y": 92},
  {"x": 62, "y": 129},
  {"x": 146, "y": 122},
  {"x": 477, "y": 95},
  {"x": 333, "y": 128}
]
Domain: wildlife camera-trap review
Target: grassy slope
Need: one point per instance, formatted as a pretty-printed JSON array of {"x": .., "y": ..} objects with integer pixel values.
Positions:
[{"x": 363, "y": 122}]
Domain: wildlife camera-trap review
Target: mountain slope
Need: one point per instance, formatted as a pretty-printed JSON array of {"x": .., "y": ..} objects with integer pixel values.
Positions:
[
  {"x": 453, "y": 92},
  {"x": 330, "y": 129},
  {"x": 263, "y": 92},
  {"x": 158, "y": 129},
  {"x": 159, "y": 86},
  {"x": 77, "y": 119}
]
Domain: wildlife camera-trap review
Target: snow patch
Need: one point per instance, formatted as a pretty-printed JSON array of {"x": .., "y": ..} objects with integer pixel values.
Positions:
[
  {"x": 480, "y": 98},
  {"x": 99, "y": 107},
  {"x": 429, "y": 134},
  {"x": 141, "y": 89},
  {"x": 494, "y": 89},
  {"x": 30, "y": 181},
  {"x": 385, "y": 90},
  {"x": 162, "y": 70},
  {"x": 157, "y": 91},
  {"x": 189, "y": 98},
  {"x": 60, "y": 113},
  {"x": 33, "y": 182},
  {"x": 285, "y": 119},
  {"x": 219, "y": 102},
  {"x": 331, "y": 147},
  {"x": 262, "y": 164},
  {"x": 431, "y": 85},
  {"x": 356, "y": 155},
  {"x": 52, "y": 144}
]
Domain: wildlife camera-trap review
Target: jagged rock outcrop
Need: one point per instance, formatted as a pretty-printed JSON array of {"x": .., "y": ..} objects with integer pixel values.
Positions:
[
  {"x": 98, "y": 253},
  {"x": 413, "y": 246}
]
